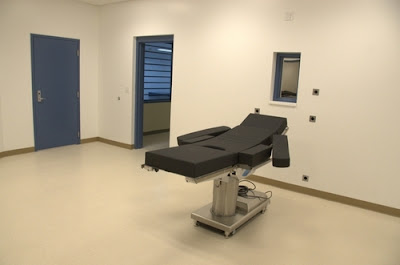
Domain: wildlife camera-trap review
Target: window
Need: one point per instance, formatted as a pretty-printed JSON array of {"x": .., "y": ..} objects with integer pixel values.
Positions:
[
  {"x": 286, "y": 77},
  {"x": 157, "y": 71}
]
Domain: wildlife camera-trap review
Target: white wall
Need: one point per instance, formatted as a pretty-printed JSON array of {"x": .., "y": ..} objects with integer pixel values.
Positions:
[
  {"x": 1, "y": 125},
  {"x": 20, "y": 18},
  {"x": 156, "y": 116},
  {"x": 223, "y": 59}
]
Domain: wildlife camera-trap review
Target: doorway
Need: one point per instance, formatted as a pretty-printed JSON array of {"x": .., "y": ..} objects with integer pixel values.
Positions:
[
  {"x": 55, "y": 91},
  {"x": 154, "y": 60}
]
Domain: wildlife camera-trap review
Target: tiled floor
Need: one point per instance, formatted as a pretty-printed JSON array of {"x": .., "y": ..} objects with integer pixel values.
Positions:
[{"x": 93, "y": 204}]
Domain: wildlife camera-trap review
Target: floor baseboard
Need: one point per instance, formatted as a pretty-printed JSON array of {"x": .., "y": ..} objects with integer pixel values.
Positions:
[
  {"x": 83, "y": 141},
  {"x": 17, "y": 151},
  {"x": 155, "y": 132},
  {"x": 327, "y": 196},
  {"x": 90, "y": 140},
  {"x": 107, "y": 141}
]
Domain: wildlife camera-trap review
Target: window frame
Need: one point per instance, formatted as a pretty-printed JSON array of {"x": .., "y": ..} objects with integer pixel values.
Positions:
[
  {"x": 138, "y": 83},
  {"x": 278, "y": 76}
]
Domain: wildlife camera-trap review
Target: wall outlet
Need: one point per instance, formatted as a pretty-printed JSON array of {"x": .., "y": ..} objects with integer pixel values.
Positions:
[
  {"x": 313, "y": 118},
  {"x": 315, "y": 92},
  {"x": 257, "y": 110},
  {"x": 306, "y": 178}
]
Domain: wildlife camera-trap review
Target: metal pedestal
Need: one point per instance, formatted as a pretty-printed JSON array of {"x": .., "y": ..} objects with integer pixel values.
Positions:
[{"x": 228, "y": 211}]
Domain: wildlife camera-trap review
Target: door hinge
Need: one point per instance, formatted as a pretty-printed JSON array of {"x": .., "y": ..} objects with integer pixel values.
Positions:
[
  {"x": 79, "y": 134},
  {"x": 77, "y": 94},
  {"x": 77, "y": 52}
]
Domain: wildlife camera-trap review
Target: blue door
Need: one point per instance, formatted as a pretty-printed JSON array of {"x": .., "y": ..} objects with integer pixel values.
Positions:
[{"x": 55, "y": 85}]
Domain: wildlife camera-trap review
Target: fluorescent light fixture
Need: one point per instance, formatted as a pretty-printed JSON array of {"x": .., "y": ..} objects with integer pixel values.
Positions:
[{"x": 164, "y": 50}]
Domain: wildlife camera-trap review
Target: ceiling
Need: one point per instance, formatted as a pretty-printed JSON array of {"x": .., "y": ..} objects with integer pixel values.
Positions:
[{"x": 101, "y": 2}]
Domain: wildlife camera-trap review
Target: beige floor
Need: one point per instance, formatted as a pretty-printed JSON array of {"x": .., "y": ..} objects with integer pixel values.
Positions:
[{"x": 92, "y": 204}]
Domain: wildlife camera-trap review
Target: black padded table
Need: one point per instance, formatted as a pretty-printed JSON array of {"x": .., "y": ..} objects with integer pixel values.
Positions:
[
  {"x": 227, "y": 155},
  {"x": 250, "y": 143}
]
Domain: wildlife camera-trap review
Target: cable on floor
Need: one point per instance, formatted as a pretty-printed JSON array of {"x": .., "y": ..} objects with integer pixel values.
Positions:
[{"x": 244, "y": 190}]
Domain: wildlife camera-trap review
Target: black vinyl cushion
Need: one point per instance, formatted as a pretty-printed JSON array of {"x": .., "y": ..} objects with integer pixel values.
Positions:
[
  {"x": 238, "y": 138},
  {"x": 201, "y": 135},
  {"x": 209, "y": 150},
  {"x": 255, "y": 155},
  {"x": 276, "y": 124},
  {"x": 193, "y": 140},
  {"x": 280, "y": 156},
  {"x": 191, "y": 160}
]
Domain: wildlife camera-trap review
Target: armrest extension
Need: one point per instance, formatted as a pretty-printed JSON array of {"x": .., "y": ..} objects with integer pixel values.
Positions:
[
  {"x": 280, "y": 152},
  {"x": 201, "y": 135}
]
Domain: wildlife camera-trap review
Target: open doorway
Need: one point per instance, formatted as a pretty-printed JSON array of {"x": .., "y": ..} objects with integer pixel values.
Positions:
[{"x": 154, "y": 56}]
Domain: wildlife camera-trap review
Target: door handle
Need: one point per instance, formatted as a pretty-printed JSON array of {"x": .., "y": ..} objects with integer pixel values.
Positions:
[{"x": 39, "y": 96}]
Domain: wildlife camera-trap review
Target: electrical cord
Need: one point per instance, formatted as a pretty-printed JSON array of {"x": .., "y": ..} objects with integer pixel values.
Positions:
[{"x": 244, "y": 190}]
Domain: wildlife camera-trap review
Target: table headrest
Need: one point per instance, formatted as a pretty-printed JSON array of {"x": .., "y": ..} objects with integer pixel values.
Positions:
[{"x": 273, "y": 123}]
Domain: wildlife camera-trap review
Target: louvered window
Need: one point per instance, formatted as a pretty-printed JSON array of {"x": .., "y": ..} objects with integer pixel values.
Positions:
[{"x": 157, "y": 71}]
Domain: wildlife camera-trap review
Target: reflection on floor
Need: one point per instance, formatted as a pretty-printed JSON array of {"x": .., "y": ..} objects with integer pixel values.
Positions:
[
  {"x": 156, "y": 141},
  {"x": 93, "y": 204}
]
